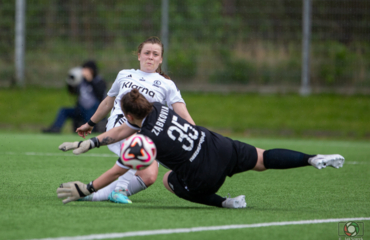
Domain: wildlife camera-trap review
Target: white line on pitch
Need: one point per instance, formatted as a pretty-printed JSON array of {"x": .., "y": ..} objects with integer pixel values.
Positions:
[{"x": 202, "y": 229}]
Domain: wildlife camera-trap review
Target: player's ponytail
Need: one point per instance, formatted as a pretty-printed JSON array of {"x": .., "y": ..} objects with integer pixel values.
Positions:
[
  {"x": 154, "y": 40},
  {"x": 136, "y": 104}
]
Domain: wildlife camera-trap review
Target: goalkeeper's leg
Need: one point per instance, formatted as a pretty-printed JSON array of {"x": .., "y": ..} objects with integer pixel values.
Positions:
[
  {"x": 252, "y": 158},
  {"x": 285, "y": 159},
  {"x": 174, "y": 185}
]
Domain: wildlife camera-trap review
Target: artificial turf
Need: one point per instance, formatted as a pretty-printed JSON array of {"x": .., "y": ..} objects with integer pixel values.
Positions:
[{"x": 32, "y": 168}]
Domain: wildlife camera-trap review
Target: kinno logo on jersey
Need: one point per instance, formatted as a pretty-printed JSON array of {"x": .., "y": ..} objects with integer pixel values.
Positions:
[{"x": 140, "y": 88}]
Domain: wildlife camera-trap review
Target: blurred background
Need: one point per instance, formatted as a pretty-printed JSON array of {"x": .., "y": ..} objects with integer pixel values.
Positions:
[{"x": 224, "y": 46}]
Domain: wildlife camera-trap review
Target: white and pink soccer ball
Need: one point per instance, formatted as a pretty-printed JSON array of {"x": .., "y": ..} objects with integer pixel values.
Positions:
[{"x": 138, "y": 152}]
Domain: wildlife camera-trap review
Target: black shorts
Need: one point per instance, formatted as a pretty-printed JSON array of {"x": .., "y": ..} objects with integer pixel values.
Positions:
[
  {"x": 180, "y": 187},
  {"x": 246, "y": 157},
  {"x": 243, "y": 158}
]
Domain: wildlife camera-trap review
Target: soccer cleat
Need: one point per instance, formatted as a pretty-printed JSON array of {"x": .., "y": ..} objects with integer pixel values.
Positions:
[
  {"x": 119, "y": 196},
  {"x": 236, "y": 202},
  {"x": 322, "y": 161}
]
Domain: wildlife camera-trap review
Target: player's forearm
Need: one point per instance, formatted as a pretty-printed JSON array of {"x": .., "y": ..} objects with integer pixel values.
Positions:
[
  {"x": 182, "y": 111},
  {"x": 104, "y": 108},
  {"x": 108, "y": 177},
  {"x": 188, "y": 118},
  {"x": 109, "y": 137},
  {"x": 115, "y": 134}
]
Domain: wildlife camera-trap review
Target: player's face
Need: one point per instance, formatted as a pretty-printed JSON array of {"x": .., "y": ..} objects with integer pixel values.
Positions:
[{"x": 150, "y": 57}]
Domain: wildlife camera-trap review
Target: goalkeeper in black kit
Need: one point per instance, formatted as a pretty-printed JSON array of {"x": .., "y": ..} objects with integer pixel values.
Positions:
[{"x": 199, "y": 159}]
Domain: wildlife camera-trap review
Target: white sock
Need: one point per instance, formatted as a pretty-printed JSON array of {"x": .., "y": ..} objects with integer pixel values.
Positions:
[
  {"x": 102, "y": 194},
  {"x": 121, "y": 183},
  {"x": 136, "y": 185},
  {"x": 124, "y": 180}
]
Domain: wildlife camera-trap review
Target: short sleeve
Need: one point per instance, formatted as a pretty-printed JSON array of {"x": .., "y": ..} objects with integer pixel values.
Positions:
[
  {"x": 114, "y": 90},
  {"x": 173, "y": 95}
]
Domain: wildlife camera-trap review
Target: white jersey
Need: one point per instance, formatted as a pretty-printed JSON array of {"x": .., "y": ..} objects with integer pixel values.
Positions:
[{"x": 153, "y": 86}]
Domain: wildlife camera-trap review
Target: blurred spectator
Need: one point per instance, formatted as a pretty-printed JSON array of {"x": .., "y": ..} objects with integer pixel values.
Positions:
[{"x": 91, "y": 90}]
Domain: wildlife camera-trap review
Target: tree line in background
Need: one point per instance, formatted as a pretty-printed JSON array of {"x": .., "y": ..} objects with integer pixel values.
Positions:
[{"x": 223, "y": 29}]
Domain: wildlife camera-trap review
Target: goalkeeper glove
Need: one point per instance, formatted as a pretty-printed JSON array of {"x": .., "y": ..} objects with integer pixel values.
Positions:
[
  {"x": 73, "y": 191},
  {"x": 80, "y": 147}
]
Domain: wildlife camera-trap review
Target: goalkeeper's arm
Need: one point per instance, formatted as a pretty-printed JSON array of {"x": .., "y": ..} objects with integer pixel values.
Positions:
[
  {"x": 73, "y": 191},
  {"x": 114, "y": 135}
]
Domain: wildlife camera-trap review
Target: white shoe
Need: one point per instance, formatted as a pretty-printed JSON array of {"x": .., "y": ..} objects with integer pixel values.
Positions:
[
  {"x": 236, "y": 202},
  {"x": 321, "y": 161}
]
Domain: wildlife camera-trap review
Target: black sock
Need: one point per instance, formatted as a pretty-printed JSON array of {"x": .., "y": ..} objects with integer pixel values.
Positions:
[
  {"x": 283, "y": 159},
  {"x": 211, "y": 200}
]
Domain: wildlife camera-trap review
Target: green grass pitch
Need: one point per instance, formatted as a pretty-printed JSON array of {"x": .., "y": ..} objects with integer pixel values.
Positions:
[{"x": 32, "y": 168}]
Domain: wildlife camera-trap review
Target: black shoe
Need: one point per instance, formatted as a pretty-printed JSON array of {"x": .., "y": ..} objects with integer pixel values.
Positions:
[{"x": 51, "y": 130}]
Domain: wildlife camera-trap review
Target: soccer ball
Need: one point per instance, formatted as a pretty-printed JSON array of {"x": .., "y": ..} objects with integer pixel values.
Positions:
[
  {"x": 138, "y": 152},
  {"x": 74, "y": 76}
]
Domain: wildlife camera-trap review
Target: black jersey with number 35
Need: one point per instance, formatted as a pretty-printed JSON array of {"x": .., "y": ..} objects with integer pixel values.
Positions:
[{"x": 196, "y": 154}]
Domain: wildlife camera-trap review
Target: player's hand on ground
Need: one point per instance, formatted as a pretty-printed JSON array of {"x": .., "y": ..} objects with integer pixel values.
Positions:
[
  {"x": 77, "y": 147},
  {"x": 84, "y": 130},
  {"x": 72, "y": 191}
]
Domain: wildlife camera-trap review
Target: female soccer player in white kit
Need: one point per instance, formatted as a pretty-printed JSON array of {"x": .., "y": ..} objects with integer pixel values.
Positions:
[{"x": 156, "y": 87}]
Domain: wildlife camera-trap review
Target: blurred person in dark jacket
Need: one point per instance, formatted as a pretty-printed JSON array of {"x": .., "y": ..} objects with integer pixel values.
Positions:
[{"x": 91, "y": 90}]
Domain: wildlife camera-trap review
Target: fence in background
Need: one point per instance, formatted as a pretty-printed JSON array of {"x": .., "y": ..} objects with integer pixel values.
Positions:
[{"x": 212, "y": 45}]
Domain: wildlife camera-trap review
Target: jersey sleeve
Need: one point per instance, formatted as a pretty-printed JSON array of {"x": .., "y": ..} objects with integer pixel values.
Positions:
[
  {"x": 114, "y": 90},
  {"x": 173, "y": 95}
]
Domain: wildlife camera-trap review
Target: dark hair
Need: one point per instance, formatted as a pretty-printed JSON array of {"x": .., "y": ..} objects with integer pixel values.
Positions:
[
  {"x": 91, "y": 65},
  {"x": 154, "y": 40},
  {"x": 136, "y": 104}
]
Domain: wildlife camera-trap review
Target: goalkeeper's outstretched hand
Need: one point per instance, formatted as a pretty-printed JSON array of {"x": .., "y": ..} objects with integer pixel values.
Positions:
[
  {"x": 80, "y": 147},
  {"x": 72, "y": 191},
  {"x": 77, "y": 147}
]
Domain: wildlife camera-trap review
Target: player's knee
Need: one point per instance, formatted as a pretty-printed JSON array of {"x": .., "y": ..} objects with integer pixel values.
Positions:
[
  {"x": 165, "y": 181},
  {"x": 149, "y": 175},
  {"x": 150, "y": 179},
  {"x": 260, "y": 165}
]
